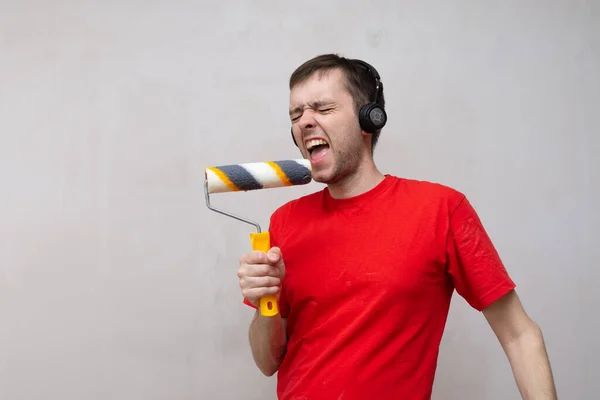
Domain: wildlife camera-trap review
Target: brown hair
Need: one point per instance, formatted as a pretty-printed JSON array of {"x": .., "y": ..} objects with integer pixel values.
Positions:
[{"x": 358, "y": 81}]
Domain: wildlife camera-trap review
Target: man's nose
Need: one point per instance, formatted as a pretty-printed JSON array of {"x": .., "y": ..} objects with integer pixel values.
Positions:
[{"x": 307, "y": 121}]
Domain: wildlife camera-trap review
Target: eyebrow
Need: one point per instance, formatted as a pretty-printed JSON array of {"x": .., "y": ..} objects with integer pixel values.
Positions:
[{"x": 312, "y": 104}]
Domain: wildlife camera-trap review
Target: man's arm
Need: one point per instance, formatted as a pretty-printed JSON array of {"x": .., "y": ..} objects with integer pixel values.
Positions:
[
  {"x": 522, "y": 341},
  {"x": 261, "y": 274},
  {"x": 268, "y": 341}
]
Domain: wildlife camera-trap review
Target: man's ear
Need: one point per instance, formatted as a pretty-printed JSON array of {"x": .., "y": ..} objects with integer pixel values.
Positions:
[{"x": 367, "y": 137}]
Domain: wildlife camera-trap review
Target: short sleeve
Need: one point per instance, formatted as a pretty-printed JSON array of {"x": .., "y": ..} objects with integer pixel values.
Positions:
[
  {"x": 247, "y": 302},
  {"x": 474, "y": 265}
]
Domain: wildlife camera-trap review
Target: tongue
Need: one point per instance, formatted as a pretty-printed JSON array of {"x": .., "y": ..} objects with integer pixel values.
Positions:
[{"x": 319, "y": 152}]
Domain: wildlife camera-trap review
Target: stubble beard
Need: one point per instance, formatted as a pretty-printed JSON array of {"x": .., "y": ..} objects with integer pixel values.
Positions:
[{"x": 346, "y": 163}]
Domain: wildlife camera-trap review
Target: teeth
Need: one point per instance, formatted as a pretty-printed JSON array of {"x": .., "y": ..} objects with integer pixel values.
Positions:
[{"x": 315, "y": 142}]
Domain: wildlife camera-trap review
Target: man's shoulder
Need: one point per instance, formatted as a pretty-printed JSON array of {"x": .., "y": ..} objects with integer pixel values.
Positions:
[
  {"x": 430, "y": 192},
  {"x": 425, "y": 186}
]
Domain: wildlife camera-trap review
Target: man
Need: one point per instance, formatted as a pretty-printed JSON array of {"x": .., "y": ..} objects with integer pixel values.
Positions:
[{"x": 364, "y": 269}]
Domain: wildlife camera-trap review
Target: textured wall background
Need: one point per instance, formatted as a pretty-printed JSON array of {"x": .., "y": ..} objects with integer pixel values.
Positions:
[{"x": 116, "y": 282}]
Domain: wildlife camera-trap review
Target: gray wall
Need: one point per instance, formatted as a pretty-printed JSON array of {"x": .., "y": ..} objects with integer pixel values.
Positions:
[{"x": 116, "y": 281}]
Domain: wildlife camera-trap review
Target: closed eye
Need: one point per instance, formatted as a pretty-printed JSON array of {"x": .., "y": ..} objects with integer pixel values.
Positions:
[{"x": 297, "y": 112}]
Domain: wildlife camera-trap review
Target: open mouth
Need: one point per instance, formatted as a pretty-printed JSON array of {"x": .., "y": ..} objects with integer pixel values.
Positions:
[{"x": 317, "y": 148}]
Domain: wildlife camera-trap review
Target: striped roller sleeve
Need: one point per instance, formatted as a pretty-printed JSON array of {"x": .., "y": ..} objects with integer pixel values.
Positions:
[{"x": 259, "y": 175}]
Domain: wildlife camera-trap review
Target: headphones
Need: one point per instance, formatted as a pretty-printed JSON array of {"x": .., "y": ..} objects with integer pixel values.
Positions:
[{"x": 371, "y": 117}]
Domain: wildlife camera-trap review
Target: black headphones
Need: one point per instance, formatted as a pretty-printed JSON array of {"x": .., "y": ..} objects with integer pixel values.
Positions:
[{"x": 371, "y": 117}]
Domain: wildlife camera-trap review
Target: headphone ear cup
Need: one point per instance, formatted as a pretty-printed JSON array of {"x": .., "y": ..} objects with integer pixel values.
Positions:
[{"x": 372, "y": 117}]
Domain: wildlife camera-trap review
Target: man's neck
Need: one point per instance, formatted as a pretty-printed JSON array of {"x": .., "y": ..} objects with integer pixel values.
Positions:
[{"x": 358, "y": 183}]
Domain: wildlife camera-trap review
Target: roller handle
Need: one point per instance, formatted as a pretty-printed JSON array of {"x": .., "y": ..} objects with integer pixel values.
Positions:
[{"x": 268, "y": 304}]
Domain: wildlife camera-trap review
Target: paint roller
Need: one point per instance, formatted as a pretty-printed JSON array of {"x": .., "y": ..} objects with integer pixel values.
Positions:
[{"x": 256, "y": 176}]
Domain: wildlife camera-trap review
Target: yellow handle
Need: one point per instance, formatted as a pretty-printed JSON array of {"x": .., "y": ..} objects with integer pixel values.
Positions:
[{"x": 268, "y": 304}]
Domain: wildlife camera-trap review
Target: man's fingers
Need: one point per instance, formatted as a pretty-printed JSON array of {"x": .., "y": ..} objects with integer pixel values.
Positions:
[
  {"x": 261, "y": 273},
  {"x": 261, "y": 281},
  {"x": 260, "y": 270},
  {"x": 255, "y": 257},
  {"x": 274, "y": 255}
]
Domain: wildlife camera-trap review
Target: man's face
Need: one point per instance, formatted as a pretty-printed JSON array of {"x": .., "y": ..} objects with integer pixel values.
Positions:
[{"x": 325, "y": 126}]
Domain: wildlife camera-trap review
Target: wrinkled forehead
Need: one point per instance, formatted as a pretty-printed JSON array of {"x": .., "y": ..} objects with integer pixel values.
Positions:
[{"x": 320, "y": 87}]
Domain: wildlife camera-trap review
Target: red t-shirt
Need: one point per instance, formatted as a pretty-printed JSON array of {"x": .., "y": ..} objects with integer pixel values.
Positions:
[{"x": 368, "y": 286}]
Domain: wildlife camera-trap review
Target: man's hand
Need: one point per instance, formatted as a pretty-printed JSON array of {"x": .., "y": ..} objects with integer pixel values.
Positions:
[{"x": 261, "y": 273}]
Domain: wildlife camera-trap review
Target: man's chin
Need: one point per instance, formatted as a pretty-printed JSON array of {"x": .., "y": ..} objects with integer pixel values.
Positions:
[
  {"x": 325, "y": 177},
  {"x": 321, "y": 177}
]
